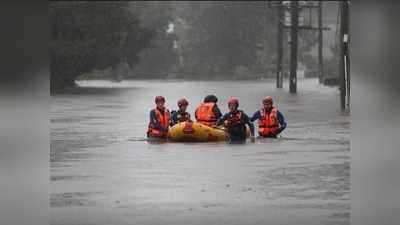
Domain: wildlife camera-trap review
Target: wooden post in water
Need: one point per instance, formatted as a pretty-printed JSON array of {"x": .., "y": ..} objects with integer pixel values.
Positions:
[
  {"x": 293, "y": 46},
  {"x": 346, "y": 41},
  {"x": 344, "y": 62},
  {"x": 279, "y": 75},
  {"x": 320, "y": 47}
]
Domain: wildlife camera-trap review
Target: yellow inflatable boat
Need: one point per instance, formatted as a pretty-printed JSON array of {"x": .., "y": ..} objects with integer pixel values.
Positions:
[{"x": 197, "y": 132}]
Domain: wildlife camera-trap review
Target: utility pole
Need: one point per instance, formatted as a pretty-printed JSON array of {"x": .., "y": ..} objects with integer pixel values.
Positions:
[
  {"x": 293, "y": 8},
  {"x": 320, "y": 53},
  {"x": 293, "y": 46},
  {"x": 344, "y": 62},
  {"x": 279, "y": 77}
]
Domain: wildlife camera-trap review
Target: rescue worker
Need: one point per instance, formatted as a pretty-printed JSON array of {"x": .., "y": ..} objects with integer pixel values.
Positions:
[
  {"x": 181, "y": 115},
  {"x": 208, "y": 113},
  {"x": 159, "y": 120},
  {"x": 235, "y": 121},
  {"x": 270, "y": 121}
]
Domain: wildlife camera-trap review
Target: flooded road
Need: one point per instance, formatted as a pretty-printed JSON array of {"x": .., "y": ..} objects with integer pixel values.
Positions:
[{"x": 103, "y": 172}]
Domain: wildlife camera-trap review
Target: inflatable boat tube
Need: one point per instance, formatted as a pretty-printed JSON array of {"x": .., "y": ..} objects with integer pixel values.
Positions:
[{"x": 197, "y": 132}]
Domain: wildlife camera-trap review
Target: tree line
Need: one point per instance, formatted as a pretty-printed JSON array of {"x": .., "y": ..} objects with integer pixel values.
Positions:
[{"x": 147, "y": 39}]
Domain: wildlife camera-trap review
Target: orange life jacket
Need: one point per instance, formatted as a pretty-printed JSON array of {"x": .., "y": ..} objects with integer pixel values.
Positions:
[
  {"x": 205, "y": 114},
  {"x": 235, "y": 123},
  {"x": 234, "y": 120},
  {"x": 163, "y": 120},
  {"x": 268, "y": 124}
]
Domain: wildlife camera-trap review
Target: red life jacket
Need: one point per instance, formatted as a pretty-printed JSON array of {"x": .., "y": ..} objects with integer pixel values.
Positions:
[
  {"x": 234, "y": 120},
  {"x": 163, "y": 120},
  {"x": 235, "y": 123},
  {"x": 268, "y": 124},
  {"x": 205, "y": 114}
]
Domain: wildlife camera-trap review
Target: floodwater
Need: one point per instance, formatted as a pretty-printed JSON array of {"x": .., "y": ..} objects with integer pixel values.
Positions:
[{"x": 104, "y": 172}]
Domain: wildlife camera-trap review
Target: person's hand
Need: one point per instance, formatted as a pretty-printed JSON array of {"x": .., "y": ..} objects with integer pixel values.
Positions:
[{"x": 252, "y": 139}]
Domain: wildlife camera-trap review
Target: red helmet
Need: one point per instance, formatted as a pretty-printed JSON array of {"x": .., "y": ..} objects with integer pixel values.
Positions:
[
  {"x": 182, "y": 102},
  {"x": 160, "y": 99},
  {"x": 233, "y": 101},
  {"x": 268, "y": 99}
]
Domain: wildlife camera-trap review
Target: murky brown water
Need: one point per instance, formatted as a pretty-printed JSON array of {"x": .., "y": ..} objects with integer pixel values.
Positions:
[{"x": 103, "y": 172}]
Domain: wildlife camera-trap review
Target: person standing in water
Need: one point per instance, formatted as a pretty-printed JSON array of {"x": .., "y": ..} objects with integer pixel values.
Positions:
[
  {"x": 235, "y": 122},
  {"x": 270, "y": 121},
  {"x": 159, "y": 120},
  {"x": 180, "y": 115},
  {"x": 208, "y": 113}
]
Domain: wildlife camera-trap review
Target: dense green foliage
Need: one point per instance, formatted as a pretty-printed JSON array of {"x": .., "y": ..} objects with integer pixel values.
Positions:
[
  {"x": 92, "y": 35},
  {"x": 161, "y": 58},
  {"x": 220, "y": 39},
  {"x": 209, "y": 40},
  {"x": 232, "y": 40}
]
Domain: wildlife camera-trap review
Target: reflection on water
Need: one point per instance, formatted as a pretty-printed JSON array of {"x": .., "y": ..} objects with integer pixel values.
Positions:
[{"x": 104, "y": 172}]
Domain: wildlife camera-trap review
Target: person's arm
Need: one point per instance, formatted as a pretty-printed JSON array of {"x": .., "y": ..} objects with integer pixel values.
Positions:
[
  {"x": 174, "y": 118},
  {"x": 282, "y": 122},
  {"x": 256, "y": 116},
  {"x": 248, "y": 122},
  {"x": 195, "y": 114},
  {"x": 217, "y": 112},
  {"x": 221, "y": 120}
]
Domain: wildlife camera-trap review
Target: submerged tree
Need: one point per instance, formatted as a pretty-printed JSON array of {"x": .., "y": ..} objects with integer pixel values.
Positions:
[{"x": 92, "y": 35}]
